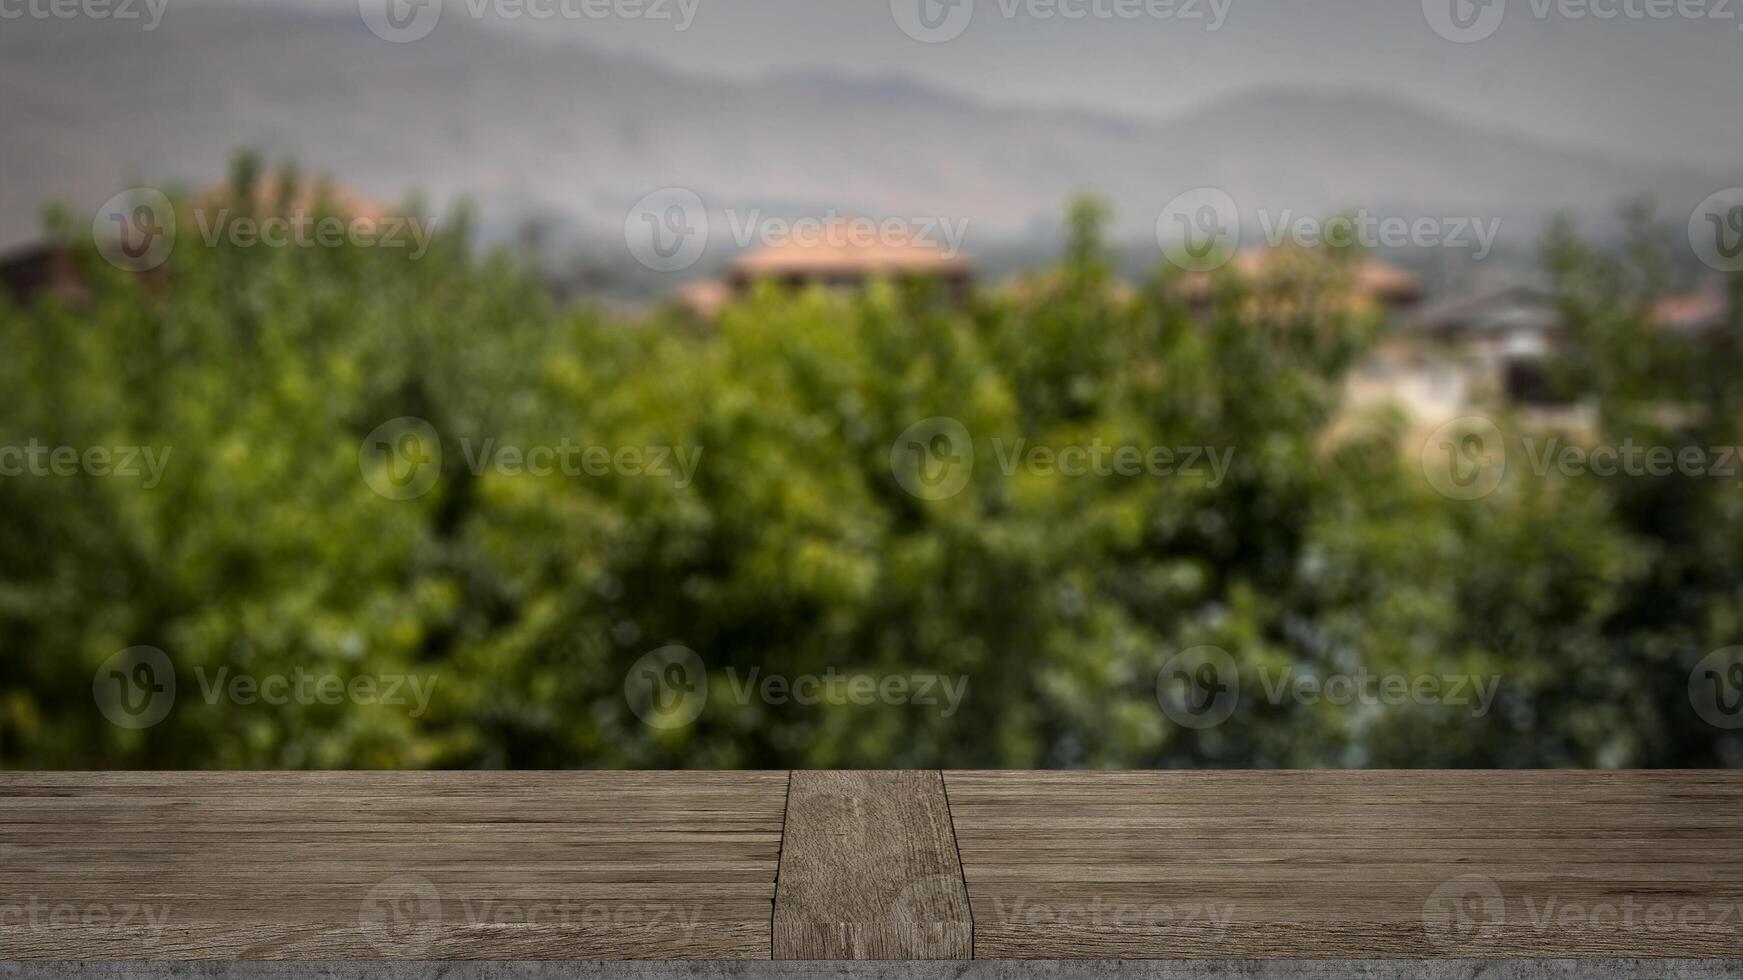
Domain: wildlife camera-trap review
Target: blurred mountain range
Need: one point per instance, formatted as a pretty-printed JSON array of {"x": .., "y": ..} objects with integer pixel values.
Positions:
[{"x": 574, "y": 135}]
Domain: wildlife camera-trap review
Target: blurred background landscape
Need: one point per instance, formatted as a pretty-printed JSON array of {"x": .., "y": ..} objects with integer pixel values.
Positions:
[{"x": 843, "y": 384}]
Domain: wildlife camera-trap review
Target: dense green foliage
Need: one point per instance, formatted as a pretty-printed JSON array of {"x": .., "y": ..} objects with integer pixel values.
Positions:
[{"x": 796, "y": 550}]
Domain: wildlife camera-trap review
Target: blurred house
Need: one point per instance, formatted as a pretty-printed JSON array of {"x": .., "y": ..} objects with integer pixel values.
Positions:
[
  {"x": 833, "y": 262},
  {"x": 1505, "y": 337},
  {"x": 1497, "y": 346},
  {"x": 283, "y": 195},
  {"x": 53, "y": 268},
  {"x": 1699, "y": 315},
  {"x": 1427, "y": 385},
  {"x": 1449, "y": 358},
  {"x": 706, "y": 297},
  {"x": 44, "y": 269},
  {"x": 1278, "y": 281}
]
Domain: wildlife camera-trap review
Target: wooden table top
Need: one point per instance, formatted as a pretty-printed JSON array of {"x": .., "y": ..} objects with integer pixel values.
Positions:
[{"x": 871, "y": 865}]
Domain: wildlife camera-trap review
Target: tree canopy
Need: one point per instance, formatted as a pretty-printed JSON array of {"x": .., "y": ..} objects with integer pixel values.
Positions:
[{"x": 796, "y": 546}]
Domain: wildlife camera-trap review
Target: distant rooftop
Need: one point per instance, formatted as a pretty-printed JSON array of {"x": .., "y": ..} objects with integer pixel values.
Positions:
[
  {"x": 308, "y": 196},
  {"x": 1371, "y": 279},
  {"x": 839, "y": 254},
  {"x": 849, "y": 247},
  {"x": 1696, "y": 312}
]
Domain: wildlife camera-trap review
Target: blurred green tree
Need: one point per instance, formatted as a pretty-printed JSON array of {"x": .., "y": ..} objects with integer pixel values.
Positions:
[{"x": 528, "y": 599}]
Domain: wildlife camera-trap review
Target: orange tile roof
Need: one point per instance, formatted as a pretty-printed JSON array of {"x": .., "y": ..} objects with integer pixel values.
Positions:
[
  {"x": 705, "y": 298},
  {"x": 837, "y": 248},
  {"x": 307, "y": 197},
  {"x": 1691, "y": 311},
  {"x": 1371, "y": 279}
]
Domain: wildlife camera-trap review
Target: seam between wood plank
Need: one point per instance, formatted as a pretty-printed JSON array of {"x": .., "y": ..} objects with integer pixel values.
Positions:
[
  {"x": 780, "y": 849},
  {"x": 956, "y": 841}
]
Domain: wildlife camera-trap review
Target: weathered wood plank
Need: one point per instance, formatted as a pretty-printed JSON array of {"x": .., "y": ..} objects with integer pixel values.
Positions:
[
  {"x": 1332, "y": 866},
  {"x": 1352, "y": 865},
  {"x": 869, "y": 870},
  {"x": 235, "y": 866},
  {"x": 1615, "y": 969}
]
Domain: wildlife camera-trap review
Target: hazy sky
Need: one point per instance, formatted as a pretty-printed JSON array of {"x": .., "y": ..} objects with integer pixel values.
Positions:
[
  {"x": 1603, "y": 73},
  {"x": 1650, "y": 88}
]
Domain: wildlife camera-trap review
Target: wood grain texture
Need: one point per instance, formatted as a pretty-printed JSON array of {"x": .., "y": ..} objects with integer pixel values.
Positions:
[
  {"x": 1352, "y": 865},
  {"x": 869, "y": 870},
  {"x": 601, "y": 866},
  {"x": 333, "y": 866}
]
